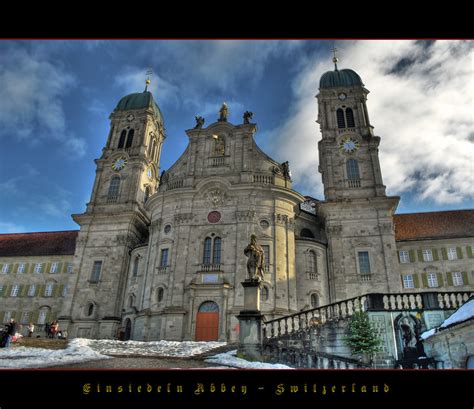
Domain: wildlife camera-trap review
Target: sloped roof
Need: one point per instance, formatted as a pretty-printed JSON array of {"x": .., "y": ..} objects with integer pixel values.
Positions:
[
  {"x": 434, "y": 225},
  {"x": 56, "y": 243}
]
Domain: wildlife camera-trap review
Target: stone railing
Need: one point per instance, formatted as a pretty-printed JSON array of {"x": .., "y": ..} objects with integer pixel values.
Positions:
[
  {"x": 210, "y": 267},
  {"x": 265, "y": 179},
  {"x": 218, "y": 161},
  {"x": 162, "y": 269},
  {"x": 175, "y": 184},
  {"x": 353, "y": 183},
  {"x": 370, "y": 302}
]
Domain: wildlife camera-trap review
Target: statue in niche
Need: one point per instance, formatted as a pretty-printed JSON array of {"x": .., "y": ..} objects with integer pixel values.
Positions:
[
  {"x": 224, "y": 111},
  {"x": 199, "y": 122},
  {"x": 247, "y": 117},
  {"x": 219, "y": 146},
  {"x": 255, "y": 262}
]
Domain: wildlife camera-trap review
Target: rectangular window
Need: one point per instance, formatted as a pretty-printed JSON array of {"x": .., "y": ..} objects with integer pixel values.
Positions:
[
  {"x": 65, "y": 290},
  {"x": 364, "y": 263},
  {"x": 38, "y": 267},
  {"x": 432, "y": 280},
  {"x": 21, "y": 268},
  {"x": 266, "y": 252},
  {"x": 427, "y": 255},
  {"x": 42, "y": 317},
  {"x": 25, "y": 317},
  {"x": 164, "y": 258},
  {"x": 69, "y": 268},
  {"x": 457, "y": 279},
  {"x": 404, "y": 256},
  {"x": 48, "y": 290},
  {"x": 96, "y": 269},
  {"x": 15, "y": 289},
  {"x": 54, "y": 268},
  {"x": 32, "y": 290},
  {"x": 452, "y": 253},
  {"x": 408, "y": 281},
  {"x": 7, "y": 317},
  {"x": 5, "y": 268}
]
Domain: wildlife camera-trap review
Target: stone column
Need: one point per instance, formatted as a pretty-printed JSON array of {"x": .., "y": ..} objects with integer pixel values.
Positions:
[{"x": 250, "y": 322}]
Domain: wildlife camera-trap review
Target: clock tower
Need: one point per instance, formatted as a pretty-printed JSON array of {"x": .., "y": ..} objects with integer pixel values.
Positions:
[
  {"x": 358, "y": 214},
  {"x": 116, "y": 219}
]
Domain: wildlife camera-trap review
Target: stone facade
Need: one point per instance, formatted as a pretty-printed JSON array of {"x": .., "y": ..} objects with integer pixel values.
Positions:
[{"x": 158, "y": 255}]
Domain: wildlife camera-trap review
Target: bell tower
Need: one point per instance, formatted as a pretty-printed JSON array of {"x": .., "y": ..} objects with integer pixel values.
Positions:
[
  {"x": 357, "y": 212},
  {"x": 116, "y": 219}
]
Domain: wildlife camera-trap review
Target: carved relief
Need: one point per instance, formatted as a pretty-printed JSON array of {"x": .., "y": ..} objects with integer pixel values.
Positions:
[
  {"x": 183, "y": 218},
  {"x": 215, "y": 198},
  {"x": 245, "y": 215}
]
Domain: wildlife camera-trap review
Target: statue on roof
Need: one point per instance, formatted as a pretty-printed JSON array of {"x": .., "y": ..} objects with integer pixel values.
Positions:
[
  {"x": 199, "y": 122},
  {"x": 224, "y": 111},
  {"x": 247, "y": 117}
]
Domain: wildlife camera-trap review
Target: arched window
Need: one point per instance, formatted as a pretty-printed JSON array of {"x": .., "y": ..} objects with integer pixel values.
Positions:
[
  {"x": 130, "y": 301},
  {"x": 340, "y": 118},
  {"x": 130, "y": 138},
  {"x": 307, "y": 233},
  {"x": 147, "y": 194},
  {"x": 314, "y": 300},
  {"x": 207, "y": 251},
  {"x": 160, "y": 294},
  {"x": 350, "y": 118},
  {"x": 264, "y": 293},
  {"x": 212, "y": 250},
  {"x": 151, "y": 147},
  {"x": 208, "y": 306},
  {"x": 352, "y": 169},
  {"x": 114, "y": 189},
  {"x": 216, "y": 253},
  {"x": 122, "y": 139},
  {"x": 90, "y": 309},
  {"x": 155, "y": 148},
  {"x": 136, "y": 262},
  {"x": 311, "y": 262}
]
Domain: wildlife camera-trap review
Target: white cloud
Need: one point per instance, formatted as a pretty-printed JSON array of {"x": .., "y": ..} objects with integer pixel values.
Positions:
[
  {"x": 424, "y": 115},
  {"x": 8, "y": 227},
  {"x": 31, "y": 88}
]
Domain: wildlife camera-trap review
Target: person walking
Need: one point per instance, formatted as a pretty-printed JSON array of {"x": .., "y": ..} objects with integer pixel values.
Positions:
[
  {"x": 31, "y": 329},
  {"x": 11, "y": 330}
]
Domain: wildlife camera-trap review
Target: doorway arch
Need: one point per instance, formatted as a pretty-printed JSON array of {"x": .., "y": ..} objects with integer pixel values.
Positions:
[{"x": 207, "y": 322}]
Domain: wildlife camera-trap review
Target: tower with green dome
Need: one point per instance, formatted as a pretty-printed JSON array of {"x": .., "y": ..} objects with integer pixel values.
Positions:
[
  {"x": 358, "y": 213},
  {"x": 116, "y": 219}
]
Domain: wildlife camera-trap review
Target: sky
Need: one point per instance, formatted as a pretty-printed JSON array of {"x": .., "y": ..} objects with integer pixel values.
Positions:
[{"x": 56, "y": 97}]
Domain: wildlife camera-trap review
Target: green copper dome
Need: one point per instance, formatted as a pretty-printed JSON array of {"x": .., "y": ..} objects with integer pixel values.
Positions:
[
  {"x": 139, "y": 100},
  {"x": 340, "y": 78}
]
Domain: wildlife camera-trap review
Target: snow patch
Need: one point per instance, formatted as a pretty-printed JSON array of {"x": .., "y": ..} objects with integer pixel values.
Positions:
[{"x": 230, "y": 359}]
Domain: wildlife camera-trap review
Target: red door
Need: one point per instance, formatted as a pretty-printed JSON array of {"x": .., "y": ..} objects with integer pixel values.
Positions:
[{"x": 207, "y": 322}]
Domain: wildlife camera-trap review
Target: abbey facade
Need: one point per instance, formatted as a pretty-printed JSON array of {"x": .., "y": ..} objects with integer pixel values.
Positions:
[{"x": 159, "y": 254}]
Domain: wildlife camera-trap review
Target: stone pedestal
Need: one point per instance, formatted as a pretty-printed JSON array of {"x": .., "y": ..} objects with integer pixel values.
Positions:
[{"x": 250, "y": 322}]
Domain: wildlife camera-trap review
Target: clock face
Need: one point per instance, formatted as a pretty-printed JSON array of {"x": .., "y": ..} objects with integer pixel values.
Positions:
[
  {"x": 130, "y": 117},
  {"x": 349, "y": 145},
  {"x": 119, "y": 163},
  {"x": 149, "y": 173},
  {"x": 342, "y": 96}
]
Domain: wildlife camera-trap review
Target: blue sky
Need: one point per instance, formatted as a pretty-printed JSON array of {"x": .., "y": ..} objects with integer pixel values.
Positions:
[{"x": 56, "y": 96}]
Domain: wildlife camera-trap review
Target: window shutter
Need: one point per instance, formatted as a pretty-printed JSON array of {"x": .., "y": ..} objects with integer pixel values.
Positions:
[
  {"x": 444, "y": 253},
  {"x": 469, "y": 251},
  {"x": 60, "y": 290},
  {"x": 424, "y": 279},
  {"x": 465, "y": 280},
  {"x": 56, "y": 289},
  {"x": 48, "y": 317},
  {"x": 459, "y": 251},
  {"x": 15, "y": 268},
  {"x": 435, "y": 254},
  {"x": 59, "y": 268},
  {"x": 40, "y": 290},
  {"x": 2, "y": 316},
  {"x": 420, "y": 255},
  {"x": 1, "y": 266},
  {"x": 27, "y": 266},
  {"x": 64, "y": 267},
  {"x": 416, "y": 282},
  {"x": 8, "y": 290},
  {"x": 21, "y": 290},
  {"x": 3, "y": 291},
  {"x": 450, "y": 278},
  {"x": 32, "y": 268},
  {"x": 34, "y": 317},
  {"x": 411, "y": 253},
  {"x": 47, "y": 268},
  {"x": 440, "y": 280}
]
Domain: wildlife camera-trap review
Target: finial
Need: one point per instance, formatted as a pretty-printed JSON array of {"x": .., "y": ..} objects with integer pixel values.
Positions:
[
  {"x": 335, "y": 59},
  {"x": 148, "y": 81}
]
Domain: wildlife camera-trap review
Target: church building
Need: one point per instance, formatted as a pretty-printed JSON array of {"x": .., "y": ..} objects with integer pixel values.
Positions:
[{"x": 159, "y": 254}]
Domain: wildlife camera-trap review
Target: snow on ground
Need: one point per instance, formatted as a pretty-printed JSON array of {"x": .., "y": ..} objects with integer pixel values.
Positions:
[
  {"x": 23, "y": 357},
  {"x": 152, "y": 348},
  {"x": 230, "y": 359},
  {"x": 81, "y": 350}
]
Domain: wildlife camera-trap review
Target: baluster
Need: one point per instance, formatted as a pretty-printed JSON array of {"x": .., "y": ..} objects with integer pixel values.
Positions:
[
  {"x": 286, "y": 326},
  {"x": 419, "y": 302},
  {"x": 440, "y": 301},
  {"x": 279, "y": 328},
  {"x": 306, "y": 320},
  {"x": 386, "y": 304},
  {"x": 454, "y": 304}
]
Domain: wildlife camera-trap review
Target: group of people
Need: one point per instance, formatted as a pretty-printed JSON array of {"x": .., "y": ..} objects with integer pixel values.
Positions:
[
  {"x": 8, "y": 333},
  {"x": 52, "y": 331}
]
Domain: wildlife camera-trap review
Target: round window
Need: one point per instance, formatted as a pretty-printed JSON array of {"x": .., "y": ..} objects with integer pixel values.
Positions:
[
  {"x": 213, "y": 217},
  {"x": 167, "y": 228},
  {"x": 264, "y": 224}
]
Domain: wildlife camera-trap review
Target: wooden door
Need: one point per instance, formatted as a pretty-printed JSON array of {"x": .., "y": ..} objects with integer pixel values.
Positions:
[{"x": 207, "y": 322}]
